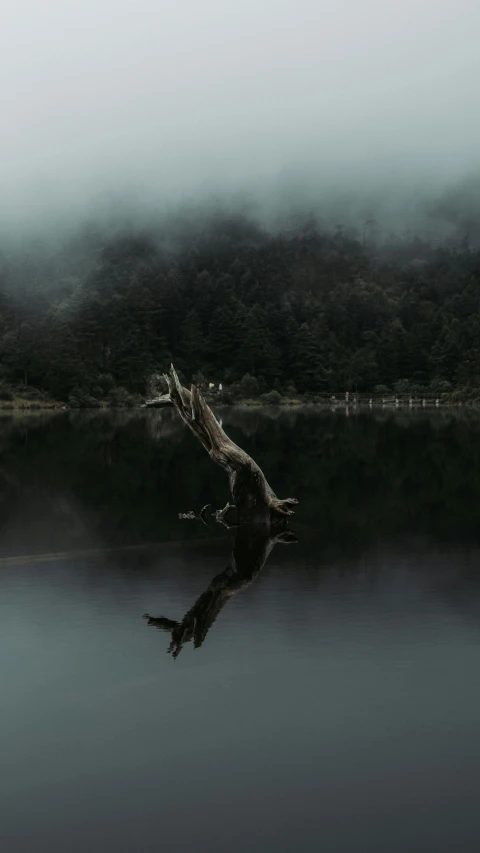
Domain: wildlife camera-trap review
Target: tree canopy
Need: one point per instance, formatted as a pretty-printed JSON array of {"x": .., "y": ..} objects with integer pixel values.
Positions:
[{"x": 305, "y": 309}]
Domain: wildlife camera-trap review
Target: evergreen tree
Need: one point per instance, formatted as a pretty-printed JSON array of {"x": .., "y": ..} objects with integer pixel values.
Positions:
[
  {"x": 320, "y": 309},
  {"x": 192, "y": 345}
]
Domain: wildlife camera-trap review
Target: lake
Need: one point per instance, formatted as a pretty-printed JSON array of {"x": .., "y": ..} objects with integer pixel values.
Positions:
[{"x": 327, "y": 698}]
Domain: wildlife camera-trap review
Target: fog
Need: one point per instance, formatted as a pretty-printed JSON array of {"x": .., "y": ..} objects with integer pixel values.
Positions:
[{"x": 139, "y": 106}]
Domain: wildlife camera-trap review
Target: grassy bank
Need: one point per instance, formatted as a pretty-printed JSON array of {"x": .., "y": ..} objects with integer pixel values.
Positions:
[
  {"x": 22, "y": 404},
  {"x": 35, "y": 401}
]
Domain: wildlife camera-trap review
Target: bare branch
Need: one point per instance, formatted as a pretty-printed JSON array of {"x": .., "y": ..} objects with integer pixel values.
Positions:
[{"x": 252, "y": 495}]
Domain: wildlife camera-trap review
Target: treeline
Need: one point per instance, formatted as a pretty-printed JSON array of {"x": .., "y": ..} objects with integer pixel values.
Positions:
[{"x": 301, "y": 311}]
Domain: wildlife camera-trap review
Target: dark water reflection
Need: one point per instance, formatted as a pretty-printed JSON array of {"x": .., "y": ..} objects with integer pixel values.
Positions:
[{"x": 332, "y": 702}]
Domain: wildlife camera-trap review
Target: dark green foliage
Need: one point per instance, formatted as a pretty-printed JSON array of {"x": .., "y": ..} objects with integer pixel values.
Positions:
[
  {"x": 403, "y": 386},
  {"x": 80, "y": 399},
  {"x": 29, "y": 393},
  {"x": 247, "y": 387},
  {"x": 191, "y": 343},
  {"x": 272, "y": 398},
  {"x": 226, "y": 397},
  {"x": 6, "y": 392},
  {"x": 120, "y": 398},
  {"x": 317, "y": 311}
]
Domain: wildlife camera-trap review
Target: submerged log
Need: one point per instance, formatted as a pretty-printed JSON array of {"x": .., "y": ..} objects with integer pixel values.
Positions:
[{"x": 253, "y": 498}]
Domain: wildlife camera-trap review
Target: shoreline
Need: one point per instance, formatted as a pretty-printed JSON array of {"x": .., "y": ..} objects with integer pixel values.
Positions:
[{"x": 7, "y": 407}]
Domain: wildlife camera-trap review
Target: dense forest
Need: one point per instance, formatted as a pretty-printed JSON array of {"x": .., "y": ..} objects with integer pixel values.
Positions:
[{"x": 302, "y": 311}]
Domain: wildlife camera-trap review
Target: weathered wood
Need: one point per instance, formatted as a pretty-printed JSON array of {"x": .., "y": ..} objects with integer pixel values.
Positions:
[
  {"x": 158, "y": 402},
  {"x": 252, "y": 496}
]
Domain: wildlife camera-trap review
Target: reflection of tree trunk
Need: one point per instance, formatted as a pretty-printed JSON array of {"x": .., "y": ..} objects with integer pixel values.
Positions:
[
  {"x": 250, "y": 551},
  {"x": 252, "y": 495}
]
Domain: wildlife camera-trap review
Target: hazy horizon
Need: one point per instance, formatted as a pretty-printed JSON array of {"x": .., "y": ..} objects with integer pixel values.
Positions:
[{"x": 138, "y": 107}]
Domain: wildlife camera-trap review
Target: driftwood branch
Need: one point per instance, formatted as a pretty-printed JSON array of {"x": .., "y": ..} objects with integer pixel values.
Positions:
[
  {"x": 250, "y": 551},
  {"x": 252, "y": 496}
]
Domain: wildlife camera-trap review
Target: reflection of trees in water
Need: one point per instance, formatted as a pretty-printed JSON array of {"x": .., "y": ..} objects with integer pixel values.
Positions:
[
  {"x": 127, "y": 473},
  {"x": 250, "y": 551},
  {"x": 250, "y": 421}
]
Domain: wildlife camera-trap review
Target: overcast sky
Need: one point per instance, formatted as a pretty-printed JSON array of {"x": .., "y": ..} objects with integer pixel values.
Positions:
[{"x": 192, "y": 96}]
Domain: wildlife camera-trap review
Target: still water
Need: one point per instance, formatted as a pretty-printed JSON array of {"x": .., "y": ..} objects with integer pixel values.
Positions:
[{"x": 325, "y": 698}]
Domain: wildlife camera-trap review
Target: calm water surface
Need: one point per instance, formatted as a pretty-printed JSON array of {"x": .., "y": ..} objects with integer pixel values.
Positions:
[{"x": 326, "y": 697}]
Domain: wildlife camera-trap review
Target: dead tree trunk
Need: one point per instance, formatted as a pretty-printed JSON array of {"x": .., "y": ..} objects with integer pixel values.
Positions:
[{"x": 252, "y": 496}]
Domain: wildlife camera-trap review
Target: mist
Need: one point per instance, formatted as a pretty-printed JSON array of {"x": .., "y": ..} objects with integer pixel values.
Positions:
[{"x": 134, "y": 109}]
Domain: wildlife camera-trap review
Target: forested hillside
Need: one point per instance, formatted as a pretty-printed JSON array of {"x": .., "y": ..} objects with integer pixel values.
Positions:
[{"x": 300, "y": 309}]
